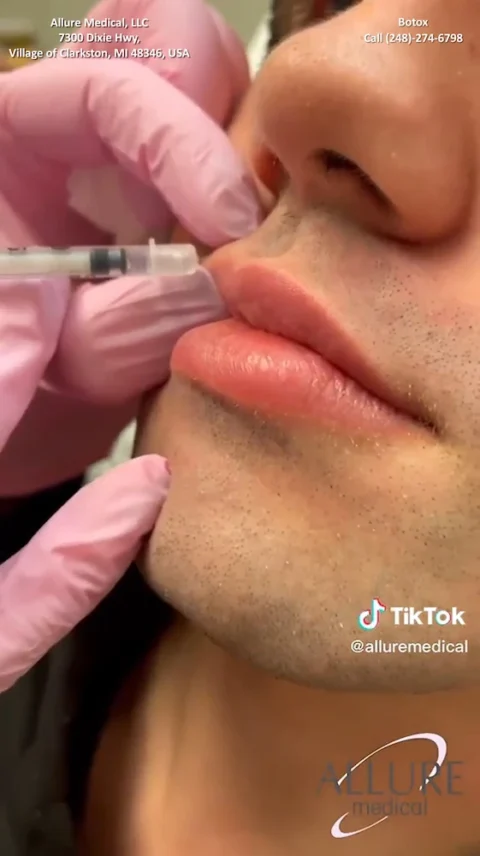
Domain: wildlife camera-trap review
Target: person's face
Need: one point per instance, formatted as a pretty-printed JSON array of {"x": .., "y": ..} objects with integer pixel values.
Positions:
[{"x": 301, "y": 492}]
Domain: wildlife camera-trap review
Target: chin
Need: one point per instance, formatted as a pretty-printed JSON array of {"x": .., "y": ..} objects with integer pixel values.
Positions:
[{"x": 273, "y": 540}]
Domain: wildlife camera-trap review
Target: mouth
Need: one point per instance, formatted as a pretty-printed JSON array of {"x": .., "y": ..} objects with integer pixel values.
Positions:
[{"x": 282, "y": 355}]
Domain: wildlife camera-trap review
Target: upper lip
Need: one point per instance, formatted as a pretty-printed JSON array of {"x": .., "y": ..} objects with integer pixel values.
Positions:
[{"x": 269, "y": 300}]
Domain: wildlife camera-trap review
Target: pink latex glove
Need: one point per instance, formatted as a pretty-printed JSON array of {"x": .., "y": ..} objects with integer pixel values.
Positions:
[
  {"x": 106, "y": 344},
  {"x": 79, "y": 555},
  {"x": 75, "y": 560}
]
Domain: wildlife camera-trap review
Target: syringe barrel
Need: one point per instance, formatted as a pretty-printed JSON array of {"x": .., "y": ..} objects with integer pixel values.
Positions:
[
  {"x": 162, "y": 259},
  {"x": 99, "y": 262},
  {"x": 45, "y": 261}
]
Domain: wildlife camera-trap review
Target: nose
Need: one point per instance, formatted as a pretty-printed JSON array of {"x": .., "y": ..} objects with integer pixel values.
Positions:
[{"x": 382, "y": 130}]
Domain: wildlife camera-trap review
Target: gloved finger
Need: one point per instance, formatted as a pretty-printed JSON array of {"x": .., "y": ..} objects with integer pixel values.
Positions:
[
  {"x": 75, "y": 560},
  {"x": 234, "y": 50},
  {"x": 31, "y": 316},
  {"x": 98, "y": 112},
  {"x": 219, "y": 57},
  {"x": 215, "y": 74},
  {"x": 117, "y": 337}
]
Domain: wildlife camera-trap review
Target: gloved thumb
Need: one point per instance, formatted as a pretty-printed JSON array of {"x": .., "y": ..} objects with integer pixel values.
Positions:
[{"x": 75, "y": 560}]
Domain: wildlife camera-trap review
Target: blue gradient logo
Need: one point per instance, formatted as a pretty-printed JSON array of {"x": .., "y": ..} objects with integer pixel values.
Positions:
[{"x": 369, "y": 619}]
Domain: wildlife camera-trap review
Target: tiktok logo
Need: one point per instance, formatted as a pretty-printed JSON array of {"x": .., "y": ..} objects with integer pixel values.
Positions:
[{"x": 369, "y": 619}]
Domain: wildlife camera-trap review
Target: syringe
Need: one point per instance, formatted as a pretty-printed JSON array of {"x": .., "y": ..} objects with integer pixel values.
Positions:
[{"x": 99, "y": 262}]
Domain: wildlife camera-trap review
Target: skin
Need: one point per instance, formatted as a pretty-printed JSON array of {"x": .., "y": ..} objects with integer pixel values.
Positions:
[{"x": 277, "y": 534}]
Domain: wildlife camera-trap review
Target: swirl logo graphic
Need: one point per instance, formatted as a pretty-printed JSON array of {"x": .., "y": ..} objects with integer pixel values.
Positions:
[
  {"x": 441, "y": 745},
  {"x": 369, "y": 619}
]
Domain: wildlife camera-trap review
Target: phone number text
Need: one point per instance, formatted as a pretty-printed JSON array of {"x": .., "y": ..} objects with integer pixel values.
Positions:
[{"x": 412, "y": 38}]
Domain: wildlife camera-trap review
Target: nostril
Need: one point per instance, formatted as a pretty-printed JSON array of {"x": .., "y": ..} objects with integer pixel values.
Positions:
[
  {"x": 330, "y": 160},
  {"x": 270, "y": 172}
]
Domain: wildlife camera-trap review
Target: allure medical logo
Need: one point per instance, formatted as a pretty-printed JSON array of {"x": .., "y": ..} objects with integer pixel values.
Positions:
[{"x": 400, "y": 794}]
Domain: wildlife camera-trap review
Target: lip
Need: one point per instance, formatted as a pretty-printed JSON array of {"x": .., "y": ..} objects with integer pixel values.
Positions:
[{"x": 282, "y": 354}]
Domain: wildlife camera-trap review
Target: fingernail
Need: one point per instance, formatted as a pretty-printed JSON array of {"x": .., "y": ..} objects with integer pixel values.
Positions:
[{"x": 242, "y": 209}]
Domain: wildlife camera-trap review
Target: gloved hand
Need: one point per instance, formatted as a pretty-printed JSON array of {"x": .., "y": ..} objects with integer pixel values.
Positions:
[
  {"x": 75, "y": 560},
  {"x": 106, "y": 344},
  {"x": 103, "y": 343}
]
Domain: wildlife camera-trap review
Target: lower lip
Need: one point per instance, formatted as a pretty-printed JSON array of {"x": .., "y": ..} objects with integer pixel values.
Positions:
[{"x": 277, "y": 377}]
